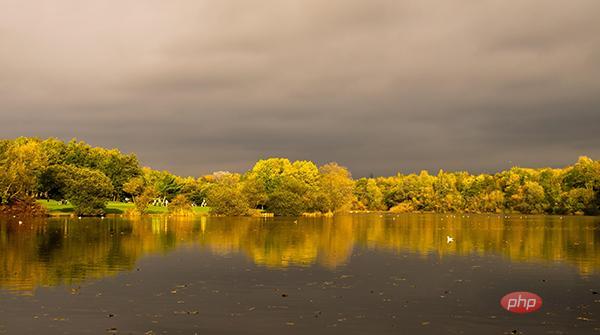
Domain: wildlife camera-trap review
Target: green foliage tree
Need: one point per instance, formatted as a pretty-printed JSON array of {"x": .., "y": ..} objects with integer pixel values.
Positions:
[
  {"x": 22, "y": 161},
  {"x": 134, "y": 187},
  {"x": 369, "y": 195},
  {"x": 264, "y": 179},
  {"x": 141, "y": 193},
  {"x": 88, "y": 190},
  {"x": 118, "y": 167},
  {"x": 226, "y": 196},
  {"x": 529, "y": 199},
  {"x": 582, "y": 183},
  {"x": 337, "y": 188},
  {"x": 269, "y": 173},
  {"x": 255, "y": 192},
  {"x": 490, "y": 202},
  {"x": 282, "y": 187},
  {"x": 285, "y": 201},
  {"x": 447, "y": 198},
  {"x": 551, "y": 181},
  {"x": 167, "y": 186},
  {"x": 33, "y": 168},
  {"x": 192, "y": 189}
]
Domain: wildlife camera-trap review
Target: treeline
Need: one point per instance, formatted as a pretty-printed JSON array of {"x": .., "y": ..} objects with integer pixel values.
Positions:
[
  {"x": 572, "y": 190},
  {"x": 88, "y": 177}
]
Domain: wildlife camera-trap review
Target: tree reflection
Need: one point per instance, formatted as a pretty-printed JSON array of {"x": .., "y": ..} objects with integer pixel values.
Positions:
[{"x": 49, "y": 252}]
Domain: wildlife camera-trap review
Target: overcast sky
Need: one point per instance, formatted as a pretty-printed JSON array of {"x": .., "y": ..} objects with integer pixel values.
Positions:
[{"x": 378, "y": 86}]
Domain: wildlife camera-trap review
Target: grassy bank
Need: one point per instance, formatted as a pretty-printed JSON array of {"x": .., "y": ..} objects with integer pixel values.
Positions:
[{"x": 112, "y": 207}]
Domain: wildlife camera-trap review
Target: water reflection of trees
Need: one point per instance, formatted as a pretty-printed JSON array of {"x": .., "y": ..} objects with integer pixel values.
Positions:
[{"x": 65, "y": 251}]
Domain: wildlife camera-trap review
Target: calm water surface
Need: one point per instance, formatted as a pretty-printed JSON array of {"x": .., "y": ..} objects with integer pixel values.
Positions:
[{"x": 355, "y": 274}]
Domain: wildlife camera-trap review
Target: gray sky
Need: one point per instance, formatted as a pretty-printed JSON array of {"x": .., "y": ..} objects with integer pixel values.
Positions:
[{"x": 378, "y": 86}]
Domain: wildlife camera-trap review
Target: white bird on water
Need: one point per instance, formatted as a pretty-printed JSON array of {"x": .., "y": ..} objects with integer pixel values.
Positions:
[{"x": 449, "y": 239}]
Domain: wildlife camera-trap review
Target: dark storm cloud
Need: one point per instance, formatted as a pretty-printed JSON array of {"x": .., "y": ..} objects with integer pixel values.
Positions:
[{"x": 379, "y": 86}]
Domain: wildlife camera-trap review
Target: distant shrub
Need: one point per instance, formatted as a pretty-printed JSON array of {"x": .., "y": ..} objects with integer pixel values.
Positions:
[
  {"x": 257, "y": 213},
  {"x": 181, "y": 205},
  {"x": 26, "y": 206},
  {"x": 317, "y": 214},
  {"x": 403, "y": 207},
  {"x": 143, "y": 200}
]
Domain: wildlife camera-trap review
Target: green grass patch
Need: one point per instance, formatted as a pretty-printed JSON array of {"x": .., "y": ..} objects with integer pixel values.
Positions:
[{"x": 112, "y": 207}]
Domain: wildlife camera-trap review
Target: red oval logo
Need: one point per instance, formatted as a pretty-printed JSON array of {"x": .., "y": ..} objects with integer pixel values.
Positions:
[{"x": 521, "y": 302}]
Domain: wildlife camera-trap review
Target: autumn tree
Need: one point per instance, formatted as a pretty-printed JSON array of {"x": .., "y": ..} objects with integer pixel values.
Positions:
[
  {"x": 141, "y": 193},
  {"x": 192, "y": 189},
  {"x": 225, "y": 196},
  {"x": 264, "y": 179},
  {"x": 582, "y": 186},
  {"x": 282, "y": 187},
  {"x": 21, "y": 163},
  {"x": 134, "y": 187},
  {"x": 336, "y": 188},
  {"x": 32, "y": 168},
  {"x": 181, "y": 205},
  {"x": 446, "y": 195},
  {"x": 144, "y": 199},
  {"x": 369, "y": 195}
]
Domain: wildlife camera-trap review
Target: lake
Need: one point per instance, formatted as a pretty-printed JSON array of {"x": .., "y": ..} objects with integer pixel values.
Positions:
[{"x": 376, "y": 273}]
